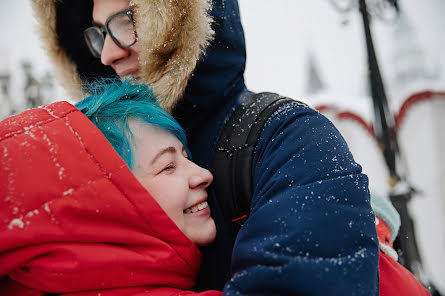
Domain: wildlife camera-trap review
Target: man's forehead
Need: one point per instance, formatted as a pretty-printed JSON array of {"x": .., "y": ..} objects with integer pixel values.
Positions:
[{"x": 103, "y": 9}]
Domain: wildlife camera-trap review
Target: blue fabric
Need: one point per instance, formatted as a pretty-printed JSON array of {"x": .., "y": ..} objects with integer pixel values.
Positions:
[{"x": 311, "y": 230}]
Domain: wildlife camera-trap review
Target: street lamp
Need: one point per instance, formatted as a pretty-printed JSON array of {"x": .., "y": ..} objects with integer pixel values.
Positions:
[{"x": 384, "y": 126}]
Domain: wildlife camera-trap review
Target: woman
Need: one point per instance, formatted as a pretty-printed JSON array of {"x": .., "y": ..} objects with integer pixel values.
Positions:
[{"x": 76, "y": 220}]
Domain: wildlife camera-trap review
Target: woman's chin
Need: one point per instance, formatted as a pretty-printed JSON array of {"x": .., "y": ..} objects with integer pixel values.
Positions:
[{"x": 206, "y": 236}]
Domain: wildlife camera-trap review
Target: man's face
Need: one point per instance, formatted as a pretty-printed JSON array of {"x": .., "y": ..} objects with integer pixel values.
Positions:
[
  {"x": 178, "y": 185},
  {"x": 125, "y": 62}
]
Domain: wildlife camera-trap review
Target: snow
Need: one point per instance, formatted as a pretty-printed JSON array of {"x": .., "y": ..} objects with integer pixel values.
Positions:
[
  {"x": 32, "y": 213},
  {"x": 50, "y": 112},
  {"x": 68, "y": 192},
  {"x": 17, "y": 222},
  {"x": 46, "y": 207}
]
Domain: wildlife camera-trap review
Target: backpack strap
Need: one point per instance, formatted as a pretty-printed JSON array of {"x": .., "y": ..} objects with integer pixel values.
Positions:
[{"x": 232, "y": 164}]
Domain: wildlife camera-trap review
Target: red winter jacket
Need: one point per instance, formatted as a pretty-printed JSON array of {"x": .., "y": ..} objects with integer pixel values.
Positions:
[{"x": 74, "y": 219}]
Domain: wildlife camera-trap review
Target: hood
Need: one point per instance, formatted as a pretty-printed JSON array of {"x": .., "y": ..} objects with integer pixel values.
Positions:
[
  {"x": 179, "y": 53},
  {"x": 173, "y": 35},
  {"x": 73, "y": 216},
  {"x": 218, "y": 79}
]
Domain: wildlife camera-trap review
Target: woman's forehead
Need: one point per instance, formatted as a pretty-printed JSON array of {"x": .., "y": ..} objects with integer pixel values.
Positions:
[{"x": 148, "y": 134}]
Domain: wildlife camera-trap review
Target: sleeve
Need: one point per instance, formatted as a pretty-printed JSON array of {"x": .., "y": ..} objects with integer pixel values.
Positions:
[
  {"x": 311, "y": 228},
  {"x": 12, "y": 288},
  {"x": 176, "y": 292},
  {"x": 139, "y": 291}
]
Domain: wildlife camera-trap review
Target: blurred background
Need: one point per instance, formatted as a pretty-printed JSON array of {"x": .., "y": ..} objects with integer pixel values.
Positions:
[{"x": 314, "y": 51}]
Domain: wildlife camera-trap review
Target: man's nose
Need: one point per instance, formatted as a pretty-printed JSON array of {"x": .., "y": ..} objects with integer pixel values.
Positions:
[{"x": 112, "y": 53}]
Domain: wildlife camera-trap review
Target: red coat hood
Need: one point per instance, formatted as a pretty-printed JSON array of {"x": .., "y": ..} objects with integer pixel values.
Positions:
[{"x": 72, "y": 215}]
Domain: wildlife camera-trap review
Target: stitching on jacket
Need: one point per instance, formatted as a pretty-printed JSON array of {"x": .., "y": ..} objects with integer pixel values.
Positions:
[
  {"x": 49, "y": 111},
  {"x": 37, "y": 124},
  {"x": 79, "y": 138},
  {"x": 52, "y": 151}
]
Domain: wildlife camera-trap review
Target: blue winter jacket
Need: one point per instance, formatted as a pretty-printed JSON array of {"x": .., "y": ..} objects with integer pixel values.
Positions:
[{"x": 311, "y": 229}]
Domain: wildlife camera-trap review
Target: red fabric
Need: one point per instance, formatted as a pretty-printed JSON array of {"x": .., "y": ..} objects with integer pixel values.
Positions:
[
  {"x": 397, "y": 280},
  {"x": 73, "y": 218},
  {"x": 383, "y": 232},
  {"x": 394, "y": 278}
]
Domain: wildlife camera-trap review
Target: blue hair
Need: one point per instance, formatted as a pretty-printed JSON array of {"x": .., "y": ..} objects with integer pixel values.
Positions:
[{"x": 113, "y": 103}]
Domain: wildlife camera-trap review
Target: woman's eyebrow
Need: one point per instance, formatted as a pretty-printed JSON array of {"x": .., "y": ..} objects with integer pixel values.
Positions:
[{"x": 169, "y": 149}]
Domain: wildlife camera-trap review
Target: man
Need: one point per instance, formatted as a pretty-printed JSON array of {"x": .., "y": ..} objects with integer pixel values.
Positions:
[{"x": 311, "y": 228}]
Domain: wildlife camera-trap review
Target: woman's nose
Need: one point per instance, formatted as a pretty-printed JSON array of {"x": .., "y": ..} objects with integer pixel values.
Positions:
[
  {"x": 201, "y": 178},
  {"x": 112, "y": 53}
]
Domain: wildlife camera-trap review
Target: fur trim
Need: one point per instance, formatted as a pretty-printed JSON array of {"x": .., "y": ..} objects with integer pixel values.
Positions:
[
  {"x": 64, "y": 69},
  {"x": 172, "y": 41},
  {"x": 389, "y": 251},
  {"x": 173, "y": 36}
]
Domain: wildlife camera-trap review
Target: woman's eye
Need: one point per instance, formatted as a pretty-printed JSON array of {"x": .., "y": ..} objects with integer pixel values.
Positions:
[{"x": 169, "y": 167}]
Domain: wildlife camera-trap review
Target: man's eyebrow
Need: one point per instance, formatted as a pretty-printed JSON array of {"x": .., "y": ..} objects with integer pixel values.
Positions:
[
  {"x": 100, "y": 24},
  {"x": 169, "y": 149}
]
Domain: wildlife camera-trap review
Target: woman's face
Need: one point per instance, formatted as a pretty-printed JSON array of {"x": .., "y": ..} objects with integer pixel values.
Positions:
[{"x": 178, "y": 185}]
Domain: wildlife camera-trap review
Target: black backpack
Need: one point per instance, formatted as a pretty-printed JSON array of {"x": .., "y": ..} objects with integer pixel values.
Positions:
[{"x": 232, "y": 164}]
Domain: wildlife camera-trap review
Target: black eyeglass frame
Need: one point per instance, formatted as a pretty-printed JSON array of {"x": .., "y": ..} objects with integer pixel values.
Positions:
[{"x": 105, "y": 30}]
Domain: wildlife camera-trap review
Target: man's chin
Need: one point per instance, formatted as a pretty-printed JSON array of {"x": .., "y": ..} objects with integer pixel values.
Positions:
[{"x": 133, "y": 79}]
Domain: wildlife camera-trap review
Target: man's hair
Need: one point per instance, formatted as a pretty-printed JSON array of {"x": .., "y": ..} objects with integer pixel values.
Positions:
[{"x": 113, "y": 103}]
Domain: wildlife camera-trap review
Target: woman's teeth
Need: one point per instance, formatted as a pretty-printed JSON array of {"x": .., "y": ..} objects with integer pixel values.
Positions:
[{"x": 196, "y": 208}]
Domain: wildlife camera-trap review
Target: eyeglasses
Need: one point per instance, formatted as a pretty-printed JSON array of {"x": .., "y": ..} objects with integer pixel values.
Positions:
[{"x": 119, "y": 26}]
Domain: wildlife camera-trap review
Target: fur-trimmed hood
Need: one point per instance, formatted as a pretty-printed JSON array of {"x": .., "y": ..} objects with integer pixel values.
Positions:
[{"x": 172, "y": 41}]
